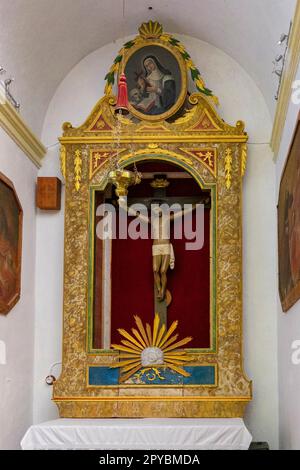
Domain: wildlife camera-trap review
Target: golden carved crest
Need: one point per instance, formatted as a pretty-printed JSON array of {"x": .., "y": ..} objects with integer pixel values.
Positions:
[{"x": 152, "y": 29}]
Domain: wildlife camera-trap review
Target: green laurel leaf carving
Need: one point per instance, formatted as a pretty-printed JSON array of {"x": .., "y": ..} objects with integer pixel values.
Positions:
[
  {"x": 118, "y": 59},
  {"x": 174, "y": 41},
  {"x": 110, "y": 77},
  {"x": 128, "y": 44},
  {"x": 185, "y": 55}
]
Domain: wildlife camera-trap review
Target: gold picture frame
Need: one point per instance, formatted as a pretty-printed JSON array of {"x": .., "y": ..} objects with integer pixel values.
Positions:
[
  {"x": 158, "y": 49},
  {"x": 11, "y": 220},
  {"x": 289, "y": 225}
]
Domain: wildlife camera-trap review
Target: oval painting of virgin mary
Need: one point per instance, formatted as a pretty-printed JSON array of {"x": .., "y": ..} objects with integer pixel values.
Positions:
[{"x": 154, "y": 82}]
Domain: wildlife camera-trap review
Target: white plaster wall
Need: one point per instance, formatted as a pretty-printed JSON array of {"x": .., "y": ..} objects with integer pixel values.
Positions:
[
  {"x": 260, "y": 328},
  {"x": 49, "y": 294},
  {"x": 240, "y": 99},
  {"x": 17, "y": 328},
  {"x": 288, "y": 326}
]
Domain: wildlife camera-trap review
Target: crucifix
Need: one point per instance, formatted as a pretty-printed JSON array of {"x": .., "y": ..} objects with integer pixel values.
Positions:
[{"x": 162, "y": 250}]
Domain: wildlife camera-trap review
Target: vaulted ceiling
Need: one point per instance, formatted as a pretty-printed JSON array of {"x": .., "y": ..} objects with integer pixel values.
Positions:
[{"x": 41, "y": 40}]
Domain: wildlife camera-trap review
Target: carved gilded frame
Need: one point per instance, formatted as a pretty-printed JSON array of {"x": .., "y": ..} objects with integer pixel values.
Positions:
[
  {"x": 85, "y": 155},
  {"x": 181, "y": 64}
]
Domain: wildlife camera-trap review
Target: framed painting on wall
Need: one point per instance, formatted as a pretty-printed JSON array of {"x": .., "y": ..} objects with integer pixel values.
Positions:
[
  {"x": 289, "y": 225},
  {"x": 11, "y": 216},
  {"x": 156, "y": 79}
]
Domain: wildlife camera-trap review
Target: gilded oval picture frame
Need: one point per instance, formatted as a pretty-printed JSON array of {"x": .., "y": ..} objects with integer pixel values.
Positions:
[{"x": 157, "y": 81}]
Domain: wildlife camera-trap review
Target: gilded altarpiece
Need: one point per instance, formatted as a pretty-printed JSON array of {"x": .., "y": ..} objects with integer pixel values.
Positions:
[{"x": 190, "y": 135}]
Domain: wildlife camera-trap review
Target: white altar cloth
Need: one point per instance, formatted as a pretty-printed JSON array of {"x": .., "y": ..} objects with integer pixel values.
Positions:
[{"x": 144, "y": 433}]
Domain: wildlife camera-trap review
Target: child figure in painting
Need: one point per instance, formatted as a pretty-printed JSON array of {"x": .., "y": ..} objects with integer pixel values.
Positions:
[{"x": 140, "y": 98}]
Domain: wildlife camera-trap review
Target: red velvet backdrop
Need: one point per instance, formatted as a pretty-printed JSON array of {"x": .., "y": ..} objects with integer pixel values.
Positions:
[{"x": 189, "y": 283}]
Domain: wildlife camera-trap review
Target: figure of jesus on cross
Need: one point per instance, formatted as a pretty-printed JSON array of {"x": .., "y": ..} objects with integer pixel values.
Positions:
[{"x": 162, "y": 249}]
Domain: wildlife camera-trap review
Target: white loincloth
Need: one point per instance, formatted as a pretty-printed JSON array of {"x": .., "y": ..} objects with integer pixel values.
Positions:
[{"x": 165, "y": 249}]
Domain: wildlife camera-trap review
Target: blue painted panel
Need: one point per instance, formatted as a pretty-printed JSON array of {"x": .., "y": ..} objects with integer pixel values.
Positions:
[
  {"x": 200, "y": 375},
  {"x": 103, "y": 376}
]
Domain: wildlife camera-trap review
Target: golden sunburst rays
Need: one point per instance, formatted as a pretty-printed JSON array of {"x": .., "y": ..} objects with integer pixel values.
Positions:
[{"x": 146, "y": 347}]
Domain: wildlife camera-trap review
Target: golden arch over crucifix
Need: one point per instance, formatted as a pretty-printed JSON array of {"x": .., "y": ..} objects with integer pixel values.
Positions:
[{"x": 205, "y": 189}]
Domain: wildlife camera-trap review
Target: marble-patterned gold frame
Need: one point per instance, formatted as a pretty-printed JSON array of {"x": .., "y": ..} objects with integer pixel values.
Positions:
[{"x": 85, "y": 154}]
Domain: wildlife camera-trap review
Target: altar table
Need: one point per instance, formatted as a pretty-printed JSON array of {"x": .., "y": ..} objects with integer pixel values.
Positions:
[{"x": 144, "y": 433}]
